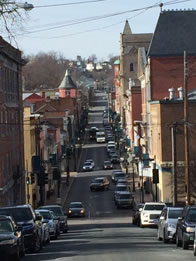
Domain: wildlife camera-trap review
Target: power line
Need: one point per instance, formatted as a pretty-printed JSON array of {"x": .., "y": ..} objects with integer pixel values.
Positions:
[
  {"x": 89, "y": 19},
  {"x": 71, "y": 3}
]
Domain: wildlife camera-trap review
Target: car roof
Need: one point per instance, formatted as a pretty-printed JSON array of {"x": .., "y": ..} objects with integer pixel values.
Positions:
[
  {"x": 17, "y": 206},
  {"x": 75, "y": 202},
  {"x": 124, "y": 192},
  {"x": 154, "y": 203},
  {"x": 121, "y": 185},
  {"x": 108, "y": 161},
  {"x": 3, "y": 217},
  {"x": 174, "y": 208},
  {"x": 43, "y": 210}
]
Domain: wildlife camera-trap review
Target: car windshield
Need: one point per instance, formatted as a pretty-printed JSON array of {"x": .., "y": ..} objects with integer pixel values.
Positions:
[
  {"x": 125, "y": 196},
  {"x": 56, "y": 210},
  {"x": 87, "y": 164},
  {"x": 46, "y": 215},
  {"x": 191, "y": 216},
  {"x": 75, "y": 205},
  {"x": 154, "y": 207},
  {"x": 98, "y": 181},
  {"x": 119, "y": 175},
  {"x": 6, "y": 226},
  {"x": 18, "y": 214},
  {"x": 174, "y": 213},
  {"x": 123, "y": 188},
  {"x": 107, "y": 162}
]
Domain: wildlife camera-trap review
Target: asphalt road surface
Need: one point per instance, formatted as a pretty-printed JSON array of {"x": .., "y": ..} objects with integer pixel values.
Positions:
[{"x": 106, "y": 233}]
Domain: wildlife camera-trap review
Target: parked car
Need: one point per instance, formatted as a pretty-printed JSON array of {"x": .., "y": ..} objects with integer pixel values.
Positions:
[
  {"x": 115, "y": 159},
  {"x": 121, "y": 181},
  {"x": 116, "y": 171},
  {"x": 91, "y": 161},
  {"x": 25, "y": 217},
  {"x": 124, "y": 199},
  {"x": 107, "y": 164},
  {"x": 150, "y": 213},
  {"x": 87, "y": 166},
  {"x": 136, "y": 215},
  {"x": 100, "y": 184},
  {"x": 110, "y": 147},
  {"x": 119, "y": 188},
  {"x": 119, "y": 175},
  {"x": 11, "y": 239},
  {"x": 194, "y": 244},
  {"x": 60, "y": 214},
  {"x": 185, "y": 228},
  {"x": 53, "y": 224},
  {"x": 45, "y": 235},
  {"x": 76, "y": 209},
  {"x": 167, "y": 223}
]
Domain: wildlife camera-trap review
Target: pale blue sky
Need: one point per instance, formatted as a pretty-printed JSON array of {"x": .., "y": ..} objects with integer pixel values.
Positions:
[{"x": 74, "y": 40}]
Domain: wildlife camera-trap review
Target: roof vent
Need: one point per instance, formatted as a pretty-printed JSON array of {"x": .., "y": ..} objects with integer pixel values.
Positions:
[
  {"x": 171, "y": 93},
  {"x": 181, "y": 93}
]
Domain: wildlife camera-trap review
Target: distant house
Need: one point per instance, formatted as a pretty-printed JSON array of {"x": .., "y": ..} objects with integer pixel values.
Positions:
[{"x": 90, "y": 66}]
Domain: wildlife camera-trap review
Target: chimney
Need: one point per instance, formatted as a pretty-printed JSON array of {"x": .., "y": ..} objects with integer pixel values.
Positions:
[
  {"x": 43, "y": 95},
  {"x": 171, "y": 93},
  {"x": 181, "y": 93}
]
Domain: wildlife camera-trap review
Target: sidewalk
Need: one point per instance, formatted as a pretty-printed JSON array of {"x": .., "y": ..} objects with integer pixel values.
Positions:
[
  {"x": 138, "y": 193},
  {"x": 64, "y": 190}
]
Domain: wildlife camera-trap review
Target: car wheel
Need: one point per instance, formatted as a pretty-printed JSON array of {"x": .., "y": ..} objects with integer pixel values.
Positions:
[
  {"x": 165, "y": 240},
  {"x": 22, "y": 252},
  {"x": 141, "y": 225},
  {"x": 185, "y": 245},
  {"x": 158, "y": 235},
  {"x": 178, "y": 242},
  {"x": 194, "y": 249},
  {"x": 16, "y": 256}
]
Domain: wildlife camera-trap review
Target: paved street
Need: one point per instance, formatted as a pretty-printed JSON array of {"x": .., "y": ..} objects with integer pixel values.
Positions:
[{"x": 106, "y": 233}]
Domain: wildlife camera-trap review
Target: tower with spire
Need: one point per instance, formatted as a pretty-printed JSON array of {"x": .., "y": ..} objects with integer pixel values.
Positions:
[{"x": 67, "y": 86}]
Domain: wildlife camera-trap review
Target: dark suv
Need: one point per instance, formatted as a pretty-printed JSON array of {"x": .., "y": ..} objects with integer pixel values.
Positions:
[
  {"x": 186, "y": 227},
  {"x": 25, "y": 217}
]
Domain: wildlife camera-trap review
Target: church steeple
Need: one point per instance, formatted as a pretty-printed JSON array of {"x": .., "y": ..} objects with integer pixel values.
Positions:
[{"x": 127, "y": 29}]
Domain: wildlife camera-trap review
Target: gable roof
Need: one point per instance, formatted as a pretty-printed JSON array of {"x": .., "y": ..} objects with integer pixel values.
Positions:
[
  {"x": 175, "y": 33},
  {"x": 67, "y": 82}
]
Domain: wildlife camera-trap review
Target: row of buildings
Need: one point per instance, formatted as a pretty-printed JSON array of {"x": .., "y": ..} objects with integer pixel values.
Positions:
[
  {"x": 40, "y": 133},
  {"x": 149, "y": 80}
]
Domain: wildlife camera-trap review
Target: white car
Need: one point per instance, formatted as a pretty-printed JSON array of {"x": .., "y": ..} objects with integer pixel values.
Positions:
[
  {"x": 91, "y": 161},
  {"x": 167, "y": 223},
  {"x": 150, "y": 213}
]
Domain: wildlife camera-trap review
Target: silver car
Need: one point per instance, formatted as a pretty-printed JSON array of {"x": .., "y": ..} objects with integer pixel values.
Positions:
[{"x": 167, "y": 223}]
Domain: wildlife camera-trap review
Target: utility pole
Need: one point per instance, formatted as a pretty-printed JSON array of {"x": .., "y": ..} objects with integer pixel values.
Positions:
[
  {"x": 174, "y": 163},
  {"x": 186, "y": 133},
  {"x": 141, "y": 160}
]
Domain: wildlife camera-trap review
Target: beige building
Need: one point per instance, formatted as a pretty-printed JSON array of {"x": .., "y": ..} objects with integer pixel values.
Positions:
[
  {"x": 129, "y": 44},
  {"x": 30, "y": 122}
]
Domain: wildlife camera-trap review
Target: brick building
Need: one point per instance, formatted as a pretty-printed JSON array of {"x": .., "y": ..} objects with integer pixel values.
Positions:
[
  {"x": 162, "y": 75},
  {"x": 12, "y": 176}
]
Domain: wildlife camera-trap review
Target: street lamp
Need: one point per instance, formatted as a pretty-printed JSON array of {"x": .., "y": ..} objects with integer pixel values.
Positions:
[{"x": 26, "y": 6}]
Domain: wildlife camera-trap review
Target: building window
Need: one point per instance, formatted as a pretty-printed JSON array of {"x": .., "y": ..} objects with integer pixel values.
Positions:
[
  {"x": 131, "y": 67},
  {"x": 67, "y": 93}
]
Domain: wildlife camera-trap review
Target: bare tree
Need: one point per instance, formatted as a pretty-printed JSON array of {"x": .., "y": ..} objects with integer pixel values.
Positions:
[
  {"x": 44, "y": 71},
  {"x": 12, "y": 16}
]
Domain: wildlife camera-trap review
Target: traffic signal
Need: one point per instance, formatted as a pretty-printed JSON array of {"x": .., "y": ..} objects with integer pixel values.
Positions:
[
  {"x": 27, "y": 180},
  {"x": 32, "y": 178},
  {"x": 155, "y": 176},
  {"x": 45, "y": 178}
]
